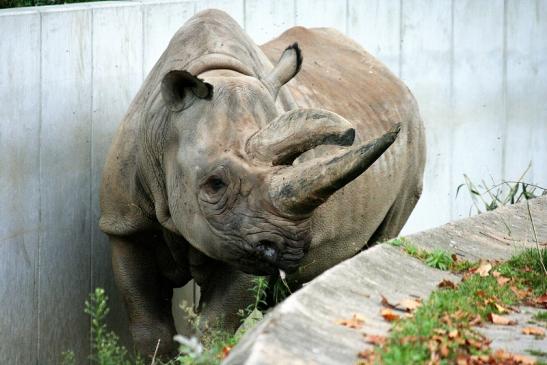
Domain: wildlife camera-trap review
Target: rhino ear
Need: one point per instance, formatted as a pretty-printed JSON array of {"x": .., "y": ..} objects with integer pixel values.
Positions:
[
  {"x": 180, "y": 88},
  {"x": 287, "y": 67}
]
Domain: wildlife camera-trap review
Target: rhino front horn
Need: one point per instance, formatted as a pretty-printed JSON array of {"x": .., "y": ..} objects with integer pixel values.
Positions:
[{"x": 298, "y": 190}]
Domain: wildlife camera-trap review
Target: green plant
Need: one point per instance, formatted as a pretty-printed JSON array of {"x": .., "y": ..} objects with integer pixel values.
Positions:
[
  {"x": 68, "y": 358},
  {"x": 104, "y": 343},
  {"x": 499, "y": 194},
  {"x": 439, "y": 259},
  {"x": 442, "y": 327}
]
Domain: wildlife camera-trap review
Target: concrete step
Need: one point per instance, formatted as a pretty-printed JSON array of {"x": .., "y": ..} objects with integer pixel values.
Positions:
[{"x": 304, "y": 329}]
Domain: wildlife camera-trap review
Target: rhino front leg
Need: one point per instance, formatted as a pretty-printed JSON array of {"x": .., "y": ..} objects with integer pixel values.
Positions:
[
  {"x": 147, "y": 294},
  {"x": 224, "y": 291}
]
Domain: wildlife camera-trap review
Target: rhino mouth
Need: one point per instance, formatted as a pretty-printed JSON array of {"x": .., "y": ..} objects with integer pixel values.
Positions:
[{"x": 269, "y": 255}]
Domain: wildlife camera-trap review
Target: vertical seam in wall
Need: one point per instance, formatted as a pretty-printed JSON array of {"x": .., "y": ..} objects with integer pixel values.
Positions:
[
  {"x": 504, "y": 94},
  {"x": 451, "y": 117},
  {"x": 295, "y": 7},
  {"x": 346, "y": 30},
  {"x": 37, "y": 267},
  {"x": 91, "y": 236},
  {"x": 400, "y": 60},
  {"x": 245, "y": 14},
  {"x": 143, "y": 21}
]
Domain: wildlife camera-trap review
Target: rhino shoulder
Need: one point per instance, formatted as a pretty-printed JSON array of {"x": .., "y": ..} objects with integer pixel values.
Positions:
[{"x": 125, "y": 206}]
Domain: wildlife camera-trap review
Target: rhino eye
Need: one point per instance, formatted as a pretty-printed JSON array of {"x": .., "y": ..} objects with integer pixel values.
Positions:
[{"x": 215, "y": 184}]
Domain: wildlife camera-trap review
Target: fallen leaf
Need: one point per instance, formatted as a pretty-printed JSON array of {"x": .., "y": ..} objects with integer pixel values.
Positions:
[
  {"x": 453, "y": 334},
  {"x": 446, "y": 284},
  {"x": 501, "y": 320},
  {"x": 534, "y": 331},
  {"x": 356, "y": 321},
  {"x": 225, "y": 352},
  {"x": 542, "y": 300},
  {"x": 502, "y": 280},
  {"x": 520, "y": 293},
  {"x": 484, "y": 268},
  {"x": 386, "y": 303},
  {"x": 376, "y": 340},
  {"x": 409, "y": 305},
  {"x": 501, "y": 309},
  {"x": 389, "y": 315},
  {"x": 475, "y": 321},
  {"x": 444, "y": 350}
]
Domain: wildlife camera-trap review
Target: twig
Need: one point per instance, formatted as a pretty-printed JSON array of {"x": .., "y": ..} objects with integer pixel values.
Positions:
[
  {"x": 155, "y": 352},
  {"x": 536, "y": 238}
]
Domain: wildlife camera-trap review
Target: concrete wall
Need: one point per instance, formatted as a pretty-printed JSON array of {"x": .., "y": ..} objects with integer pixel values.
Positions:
[{"x": 67, "y": 74}]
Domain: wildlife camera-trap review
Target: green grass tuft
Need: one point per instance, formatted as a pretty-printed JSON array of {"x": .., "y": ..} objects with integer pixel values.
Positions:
[{"x": 449, "y": 310}]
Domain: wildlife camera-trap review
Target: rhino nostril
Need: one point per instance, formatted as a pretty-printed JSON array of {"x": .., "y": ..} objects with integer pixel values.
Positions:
[{"x": 268, "y": 250}]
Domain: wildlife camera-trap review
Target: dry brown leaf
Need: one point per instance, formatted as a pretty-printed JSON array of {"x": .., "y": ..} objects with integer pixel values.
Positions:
[
  {"x": 520, "y": 293},
  {"x": 446, "y": 284},
  {"x": 389, "y": 315},
  {"x": 501, "y": 309},
  {"x": 502, "y": 280},
  {"x": 534, "y": 331},
  {"x": 409, "y": 305},
  {"x": 475, "y": 321},
  {"x": 453, "y": 334},
  {"x": 356, "y": 321},
  {"x": 501, "y": 320},
  {"x": 376, "y": 340},
  {"x": 542, "y": 300},
  {"x": 444, "y": 351},
  {"x": 484, "y": 268},
  {"x": 386, "y": 303}
]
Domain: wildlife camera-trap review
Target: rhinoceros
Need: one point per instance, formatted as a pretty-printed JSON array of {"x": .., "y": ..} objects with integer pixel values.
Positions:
[{"x": 236, "y": 160}]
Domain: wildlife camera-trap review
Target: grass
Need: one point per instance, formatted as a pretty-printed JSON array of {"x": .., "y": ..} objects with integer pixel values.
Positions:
[
  {"x": 438, "y": 259},
  {"x": 541, "y": 317},
  {"x": 488, "y": 197},
  {"x": 215, "y": 343},
  {"x": 441, "y": 329}
]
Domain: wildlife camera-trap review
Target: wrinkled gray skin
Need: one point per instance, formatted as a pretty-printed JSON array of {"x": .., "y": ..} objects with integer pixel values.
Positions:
[{"x": 218, "y": 171}]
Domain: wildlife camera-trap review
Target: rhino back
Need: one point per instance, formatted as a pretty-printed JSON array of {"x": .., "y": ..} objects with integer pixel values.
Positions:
[{"x": 340, "y": 76}]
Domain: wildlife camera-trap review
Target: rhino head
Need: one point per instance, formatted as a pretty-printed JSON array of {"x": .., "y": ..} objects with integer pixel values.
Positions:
[{"x": 232, "y": 186}]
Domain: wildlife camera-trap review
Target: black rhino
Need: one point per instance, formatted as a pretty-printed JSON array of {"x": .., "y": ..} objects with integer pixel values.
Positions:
[{"x": 218, "y": 171}]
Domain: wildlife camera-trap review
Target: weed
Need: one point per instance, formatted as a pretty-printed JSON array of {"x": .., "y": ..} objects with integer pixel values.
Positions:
[
  {"x": 439, "y": 259},
  {"x": 541, "y": 316},
  {"x": 500, "y": 194},
  {"x": 441, "y": 327}
]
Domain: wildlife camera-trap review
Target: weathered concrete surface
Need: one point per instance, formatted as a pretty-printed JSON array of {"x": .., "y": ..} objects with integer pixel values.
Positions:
[
  {"x": 304, "y": 330},
  {"x": 493, "y": 235},
  {"x": 511, "y": 338}
]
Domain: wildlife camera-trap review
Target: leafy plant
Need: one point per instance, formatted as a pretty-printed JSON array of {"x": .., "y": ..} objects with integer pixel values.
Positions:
[
  {"x": 439, "y": 259},
  {"x": 492, "y": 196},
  {"x": 105, "y": 344},
  {"x": 441, "y": 329}
]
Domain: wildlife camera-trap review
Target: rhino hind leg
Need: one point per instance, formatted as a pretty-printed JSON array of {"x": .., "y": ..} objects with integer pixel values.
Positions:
[
  {"x": 396, "y": 216},
  {"x": 146, "y": 292}
]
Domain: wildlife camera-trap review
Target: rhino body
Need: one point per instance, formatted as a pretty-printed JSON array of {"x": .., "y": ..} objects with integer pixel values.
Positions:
[{"x": 224, "y": 176}]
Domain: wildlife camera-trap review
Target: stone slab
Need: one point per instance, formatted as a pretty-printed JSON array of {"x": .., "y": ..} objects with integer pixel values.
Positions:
[
  {"x": 304, "y": 329},
  {"x": 498, "y": 234}
]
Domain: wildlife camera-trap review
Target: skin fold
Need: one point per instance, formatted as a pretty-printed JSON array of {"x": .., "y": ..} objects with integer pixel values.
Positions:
[{"x": 235, "y": 160}]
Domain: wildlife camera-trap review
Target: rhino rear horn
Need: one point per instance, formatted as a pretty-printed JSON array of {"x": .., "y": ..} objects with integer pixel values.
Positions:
[
  {"x": 287, "y": 67},
  {"x": 179, "y": 87},
  {"x": 297, "y": 131},
  {"x": 298, "y": 190}
]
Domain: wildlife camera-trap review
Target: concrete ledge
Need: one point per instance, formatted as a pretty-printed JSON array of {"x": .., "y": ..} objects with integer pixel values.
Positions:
[{"x": 304, "y": 330}]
